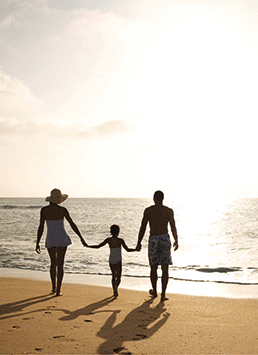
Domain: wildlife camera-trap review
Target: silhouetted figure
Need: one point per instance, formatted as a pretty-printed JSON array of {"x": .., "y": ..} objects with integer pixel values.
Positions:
[
  {"x": 159, "y": 248},
  {"x": 57, "y": 240},
  {"x": 115, "y": 257}
]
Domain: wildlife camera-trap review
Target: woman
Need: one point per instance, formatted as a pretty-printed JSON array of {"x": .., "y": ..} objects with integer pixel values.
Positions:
[{"x": 57, "y": 240}]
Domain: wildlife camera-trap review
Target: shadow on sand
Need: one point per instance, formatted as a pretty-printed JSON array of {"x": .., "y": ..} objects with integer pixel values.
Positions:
[
  {"x": 87, "y": 310},
  {"x": 8, "y": 308},
  {"x": 141, "y": 323}
]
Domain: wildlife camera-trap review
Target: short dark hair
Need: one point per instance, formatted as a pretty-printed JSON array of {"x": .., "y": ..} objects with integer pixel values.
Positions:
[
  {"x": 159, "y": 195},
  {"x": 114, "y": 229}
]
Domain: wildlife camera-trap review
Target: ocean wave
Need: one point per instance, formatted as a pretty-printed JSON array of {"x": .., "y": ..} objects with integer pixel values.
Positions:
[
  {"x": 136, "y": 276},
  {"x": 223, "y": 270},
  {"x": 10, "y": 207},
  {"x": 173, "y": 278}
]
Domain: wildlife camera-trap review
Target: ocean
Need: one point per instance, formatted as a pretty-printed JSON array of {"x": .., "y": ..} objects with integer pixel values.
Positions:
[{"x": 217, "y": 237}]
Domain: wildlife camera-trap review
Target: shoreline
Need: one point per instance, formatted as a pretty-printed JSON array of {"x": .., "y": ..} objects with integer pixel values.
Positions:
[{"x": 191, "y": 288}]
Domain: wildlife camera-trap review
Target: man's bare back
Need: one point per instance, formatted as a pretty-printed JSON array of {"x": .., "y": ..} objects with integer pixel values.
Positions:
[{"x": 159, "y": 217}]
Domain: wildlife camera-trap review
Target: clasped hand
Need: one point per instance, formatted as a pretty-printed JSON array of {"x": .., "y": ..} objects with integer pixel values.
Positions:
[{"x": 138, "y": 247}]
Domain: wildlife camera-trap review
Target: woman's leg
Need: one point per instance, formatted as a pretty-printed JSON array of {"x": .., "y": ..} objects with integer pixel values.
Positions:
[
  {"x": 60, "y": 267},
  {"x": 53, "y": 265}
]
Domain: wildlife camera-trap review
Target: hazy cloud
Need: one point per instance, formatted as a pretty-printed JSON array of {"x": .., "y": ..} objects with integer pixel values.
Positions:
[
  {"x": 16, "y": 100},
  {"x": 30, "y": 128}
]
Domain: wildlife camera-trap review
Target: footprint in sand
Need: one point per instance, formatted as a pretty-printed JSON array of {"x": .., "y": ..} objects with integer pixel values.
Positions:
[
  {"x": 87, "y": 320},
  {"x": 38, "y": 349},
  {"x": 140, "y": 336},
  {"x": 122, "y": 350},
  {"x": 48, "y": 312},
  {"x": 58, "y": 336},
  {"x": 16, "y": 327}
]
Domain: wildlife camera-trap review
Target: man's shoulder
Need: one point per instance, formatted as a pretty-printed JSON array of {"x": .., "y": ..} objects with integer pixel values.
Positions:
[
  {"x": 149, "y": 209},
  {"x": 168, "y": 210}
]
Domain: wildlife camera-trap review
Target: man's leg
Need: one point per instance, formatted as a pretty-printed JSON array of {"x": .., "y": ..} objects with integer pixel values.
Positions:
[
  {"x": 164, "y": 281},
  {"x": 154, "y": 278}
]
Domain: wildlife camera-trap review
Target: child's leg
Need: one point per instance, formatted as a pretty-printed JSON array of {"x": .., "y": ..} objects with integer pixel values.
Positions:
[
  {"x": 116, "y": 276},
  {"x": 113, "y": 281},
  {"x": 118, "y": 273}
]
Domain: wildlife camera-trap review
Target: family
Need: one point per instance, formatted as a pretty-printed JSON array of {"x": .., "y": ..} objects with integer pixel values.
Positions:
[{"x": 159, "y": 245}]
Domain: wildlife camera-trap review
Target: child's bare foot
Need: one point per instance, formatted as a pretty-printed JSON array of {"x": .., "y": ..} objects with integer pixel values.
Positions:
[{"x": 115, "y": 292}]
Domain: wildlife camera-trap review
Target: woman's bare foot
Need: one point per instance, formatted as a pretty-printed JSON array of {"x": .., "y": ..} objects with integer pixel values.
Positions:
[
  {"x": 58, "y": 293},
  {"x": 153, "y": 293}
]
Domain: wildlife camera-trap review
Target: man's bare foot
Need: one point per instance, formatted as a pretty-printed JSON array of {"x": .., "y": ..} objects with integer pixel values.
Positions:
[
  {"x": 163, "y": 298},
  {"x": 115, "y": 293},
  {"x": 58, "y": 293},
  {"x": 153, "y": 293}
]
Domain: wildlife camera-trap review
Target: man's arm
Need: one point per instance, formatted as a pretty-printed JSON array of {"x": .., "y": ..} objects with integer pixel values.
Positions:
[
  {"x": 142, "y": 230},
  {"x": 173, "y": 230}
]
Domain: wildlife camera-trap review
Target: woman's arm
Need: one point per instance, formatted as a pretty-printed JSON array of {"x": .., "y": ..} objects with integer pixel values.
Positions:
[
  {"x": 126, "y": 247},
  {"x": 98, "y": 245},
  {"x": 40, "y": 230},
  {"x": 73, "y": 226}
]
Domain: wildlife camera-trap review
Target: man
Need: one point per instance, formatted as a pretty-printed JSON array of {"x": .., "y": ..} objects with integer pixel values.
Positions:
[{"x": 159, "y": 247}]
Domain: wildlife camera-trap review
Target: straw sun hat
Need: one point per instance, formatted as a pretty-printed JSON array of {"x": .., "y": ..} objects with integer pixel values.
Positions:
[{"x": 56, "y": 196}]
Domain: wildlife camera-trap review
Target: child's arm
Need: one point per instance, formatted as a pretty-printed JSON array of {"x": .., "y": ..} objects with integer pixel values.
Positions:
[
  {"x": 126, "y": 247},
  {"x": 97, "y": 246}
]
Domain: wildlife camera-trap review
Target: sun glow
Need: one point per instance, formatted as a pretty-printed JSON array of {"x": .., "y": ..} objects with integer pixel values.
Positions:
[{"x": 187, "y": 86}]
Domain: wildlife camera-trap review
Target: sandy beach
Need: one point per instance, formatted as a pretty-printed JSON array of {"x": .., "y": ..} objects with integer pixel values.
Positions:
[{"x": 87, "y": 320}]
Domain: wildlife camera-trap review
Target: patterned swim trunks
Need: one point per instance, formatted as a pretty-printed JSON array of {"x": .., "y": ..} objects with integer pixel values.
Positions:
[{"x": 159, "y": 250}]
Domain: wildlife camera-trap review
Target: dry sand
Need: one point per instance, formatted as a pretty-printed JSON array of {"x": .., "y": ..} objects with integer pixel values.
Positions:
[{"x": 86, "y": 320}]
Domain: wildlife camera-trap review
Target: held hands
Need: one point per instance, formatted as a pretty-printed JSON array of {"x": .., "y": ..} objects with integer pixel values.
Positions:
[
  {"x": 138, "y": 247},
  {"x": 84, "y": 243}
]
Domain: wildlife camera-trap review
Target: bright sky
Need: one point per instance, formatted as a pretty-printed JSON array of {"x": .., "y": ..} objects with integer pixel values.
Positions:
[{"x": 119, "y": 98}]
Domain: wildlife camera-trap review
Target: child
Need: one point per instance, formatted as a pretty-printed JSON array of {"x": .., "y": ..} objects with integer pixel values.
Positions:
[{"x": 115, "y": 257}]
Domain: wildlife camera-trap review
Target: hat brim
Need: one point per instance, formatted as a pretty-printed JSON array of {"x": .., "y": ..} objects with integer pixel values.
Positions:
[{"x": 57, "y": 199}]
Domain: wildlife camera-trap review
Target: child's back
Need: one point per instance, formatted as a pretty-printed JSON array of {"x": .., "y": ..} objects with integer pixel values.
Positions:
[{"x": 115, "y": 250}]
